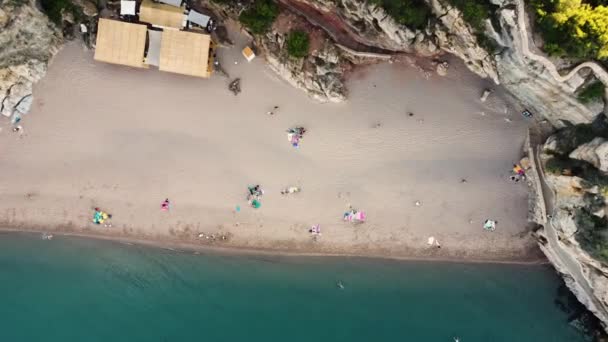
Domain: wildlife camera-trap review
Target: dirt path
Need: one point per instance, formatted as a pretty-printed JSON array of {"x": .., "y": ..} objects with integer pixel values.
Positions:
[{"x": 333, "y": 25}]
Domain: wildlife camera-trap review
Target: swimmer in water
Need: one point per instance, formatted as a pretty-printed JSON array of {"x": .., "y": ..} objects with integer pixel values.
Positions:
[{"x": 340, "y": 285}]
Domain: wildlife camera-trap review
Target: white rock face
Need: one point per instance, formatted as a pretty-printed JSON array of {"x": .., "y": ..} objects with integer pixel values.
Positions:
[
  {"x": 27, "y": 42},
  {"x": 529, "y": 79},
  {"x": 319, "y": 74},
  {"x": 594, "y": 152},
  {"x": 453, "y": 35},
  {"x": 570, "y": 198}
]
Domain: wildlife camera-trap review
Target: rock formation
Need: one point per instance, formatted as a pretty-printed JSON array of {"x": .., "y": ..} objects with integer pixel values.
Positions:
[
  {"x": 319, "y": 74},
  {"x": 27, "y": 42},
  {"x": 533, "y": 79},
  {"x": 573, "y": 217},
  {"x": 594, "y": 152}
]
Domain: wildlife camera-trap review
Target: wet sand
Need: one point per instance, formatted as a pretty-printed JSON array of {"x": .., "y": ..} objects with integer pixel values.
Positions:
[{"x": 122, "y": 139}]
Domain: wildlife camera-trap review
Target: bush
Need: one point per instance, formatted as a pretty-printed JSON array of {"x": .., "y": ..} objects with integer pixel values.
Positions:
[
  {"x": 591, "y": 234},
  {"x": 574, "y": 28},
  {"x": 556, "y": 165},
  {"x": 260, "y": 16},
  {"x": 592, "y": 92},
  {"x": 53, "y": 9},
  {"x": 474, "y": 12},
  {"x": 571, "y": 137},
  {"x": 411, "y": 13},
  {"x": 297, "y": 44}
]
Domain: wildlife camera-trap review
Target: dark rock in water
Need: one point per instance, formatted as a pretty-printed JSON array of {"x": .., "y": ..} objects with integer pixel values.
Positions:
[{"x": 578, "y": 315}]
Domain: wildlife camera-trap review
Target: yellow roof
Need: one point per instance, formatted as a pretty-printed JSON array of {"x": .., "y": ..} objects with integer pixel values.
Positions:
[
  {"x": 161, "y": 14},
  {"x": 184, "y": 53},
  {"x": 247, "y": 52},
  {"x": 120, "y": 43}
]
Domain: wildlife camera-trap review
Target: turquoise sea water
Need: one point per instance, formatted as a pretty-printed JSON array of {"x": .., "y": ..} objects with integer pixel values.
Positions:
[{"x": 83, "y": 290}]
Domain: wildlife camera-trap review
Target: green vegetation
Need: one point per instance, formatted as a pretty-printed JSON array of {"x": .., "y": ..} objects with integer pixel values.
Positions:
[
  {"x": 17, "y": 3},
  {"x": 411, "y": 13},
  {"x": 591, "y": 233},
  {"x": 297, "y": 44},
  {"x": 592, "y": 92},
  {"x": 260, "y": 16},
  {"x": 574, "y": 28},
  {"x": 54, "y": 8},
  {"x": 474, "y": 12}
]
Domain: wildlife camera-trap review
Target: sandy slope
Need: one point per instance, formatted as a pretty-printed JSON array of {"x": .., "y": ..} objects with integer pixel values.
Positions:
[{"x": 124, "y": 139}]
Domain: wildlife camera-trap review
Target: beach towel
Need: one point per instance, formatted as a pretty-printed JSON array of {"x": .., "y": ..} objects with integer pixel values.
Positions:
[
  {"x": 489, "y": 225},
  {"x": 360, "y": 216}
]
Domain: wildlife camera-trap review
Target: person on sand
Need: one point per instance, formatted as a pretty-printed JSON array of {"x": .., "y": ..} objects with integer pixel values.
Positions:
[
  {"x": 490, "y": 225},
  {"x": 518, "y": 170},
  {"x": 165, "y": 205},
  {"x": 271, "y": 112}
]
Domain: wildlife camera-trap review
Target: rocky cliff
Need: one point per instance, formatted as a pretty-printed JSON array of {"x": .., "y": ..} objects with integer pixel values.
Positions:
[
  {"x": 574, "y": 198},
  {"x": 27, "y": 42},
  {"x": 531, "y": 77}
]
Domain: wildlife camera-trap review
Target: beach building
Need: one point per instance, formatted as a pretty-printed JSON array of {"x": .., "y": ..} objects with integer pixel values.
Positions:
[
  {"x": 127, "y": 7},
  {"x": 187, "y": 53},
  {"x": 176, "y": 3},
  {"x": 162, "y": 15},
  {"x": 154, "y": 43},
  {"x": 198, "y": 18},
  {"x": 121, "y": 43}
]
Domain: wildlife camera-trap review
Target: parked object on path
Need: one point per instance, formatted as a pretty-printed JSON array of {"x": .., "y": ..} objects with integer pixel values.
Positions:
[
  {"x": 490, "y": 225},
  {"x": 100, "y": 216},
  {"x": 355, "y": 216},
  {"x": 290, "y": 190},
  {"x": 166, "y": 205},
  {"x": 526, "y": 114},
  {"x": 248, "y": 54},
  {"x": 235, "y": 86},
  {"x": 295, "y": 134}
]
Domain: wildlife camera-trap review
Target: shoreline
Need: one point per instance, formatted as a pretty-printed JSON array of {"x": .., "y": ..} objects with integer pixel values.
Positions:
[
  {"x": 188, "y": 246},
  {"x": 368, "y": 153}
]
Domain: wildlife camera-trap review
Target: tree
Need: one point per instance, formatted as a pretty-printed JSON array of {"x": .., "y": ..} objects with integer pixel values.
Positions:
[
  {"x": 571, "y": 27},
  {"x": 297, "y": 44},
  {"x": 260, "y": 16}
]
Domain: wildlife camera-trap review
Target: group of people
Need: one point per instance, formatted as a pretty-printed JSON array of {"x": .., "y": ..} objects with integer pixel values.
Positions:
[
  {"x": 295, "y": 135},
  {"x": 354, "y": 216},
  {"x": 101, "y": 217},
  {"x": 254, "y": 196},
  {"x": 518, "y": 173}
]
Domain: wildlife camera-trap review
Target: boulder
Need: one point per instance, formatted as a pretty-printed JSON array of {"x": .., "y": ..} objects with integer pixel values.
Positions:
[
  {"x": 319, "y": 74},
  {"x": 594, "y": 152},
  {"x": 442, "y": 68},
  {"x": 28, "y": 41},
  {"x": 89, "y": 9}
]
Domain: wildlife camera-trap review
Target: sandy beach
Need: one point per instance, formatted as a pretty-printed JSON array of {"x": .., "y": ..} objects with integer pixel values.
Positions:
[{"x": 121, "y": 139}]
